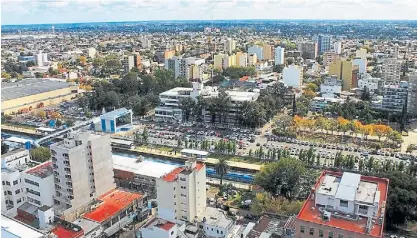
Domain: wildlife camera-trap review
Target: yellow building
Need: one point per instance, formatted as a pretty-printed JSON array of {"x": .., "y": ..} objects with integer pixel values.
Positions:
[
  {"x": 169, "y": 54},
  {"x": 195, "y": 72},
  {"x": 29, "y": 94},
  {"x": 361, "y": 53},
  {"x": 344, "y": 71},
  {"x": 218, "y": 61},
  {"x": 267, "y": 52}
]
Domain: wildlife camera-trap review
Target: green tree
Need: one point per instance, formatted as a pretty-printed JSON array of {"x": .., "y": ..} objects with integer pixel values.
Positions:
[
  {"x": 221, "y": 168},
  {"x": 4, "y": 148},
  {"x": 312, "y": 86},
  {"x": 277, "y": 68},
  {"x": 69, "y": 122},
  {"x": 145, "y": 136},
  {"x": 281, "y": 178},
  {"x": 40, "y": 154},
  {"x": 187, "y": 105}
]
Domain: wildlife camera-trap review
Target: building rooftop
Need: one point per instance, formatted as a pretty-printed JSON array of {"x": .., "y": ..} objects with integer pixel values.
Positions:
[
  {"x": 28, "y": 87},
  {"x": 117, "y": 112},
  {"x": 43, "y": 170},
  {"x": 160, "y": 223},
  {"x": 86, "y": 225},
  {"x": 111, "y": 204},
  {"x": 172, "y": 176},
  {"x": 216, "y": 217},
  {"x": 11, "y": 228},
  {"x": 62, "y": 232},
  {"x": 145, "y": 168},
  {"x": 363, "y": 192}
]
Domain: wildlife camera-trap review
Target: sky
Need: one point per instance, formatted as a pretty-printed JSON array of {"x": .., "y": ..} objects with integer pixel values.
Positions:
[{"x": 72, "y": 11}]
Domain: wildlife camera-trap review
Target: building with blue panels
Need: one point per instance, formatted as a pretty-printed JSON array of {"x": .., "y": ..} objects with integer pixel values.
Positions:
[{"x": 117, "y": 120}]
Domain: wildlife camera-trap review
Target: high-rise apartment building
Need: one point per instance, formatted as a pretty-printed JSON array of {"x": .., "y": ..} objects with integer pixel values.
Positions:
[
  {"x": 394, "y": 97},
  {"x": 324, "y": 43},
  {"x": 128, "y": 63},
  {"x": 391, "y": 70},
  {"x": 267, "y": 52},
  {"x": 223, "y": 61},
  {"x": 395, "y": 51},
  {"x": 412, "y": 95},
  {"x": 337, "y": 47},
  {"x": 241, "y": 59},
  {"x": 279, "y": 55},
  {"x": 257, "y": 50},
  {"x": 229, "y": 45},
  {"x": 182, "y": 193},
  {"x": 342, "y": 70},
  {"x": 308, "y": 50},
  {"x": 179, "y": 65},
  {"x": 83, "y": 170},
  {"x": 137, "y": 62},
  {"x": 293, "y": 76},
  {"x": 252, "y": 60},
  {"x": 361, "y": 53},
  {"x": 329, "y": 58},
  {"x": 344, "y": 205}
]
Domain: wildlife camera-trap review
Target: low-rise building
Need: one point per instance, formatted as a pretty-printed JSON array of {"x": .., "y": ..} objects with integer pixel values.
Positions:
[
  {"x": 344, "y": 205},
  {"x": 370, "y": 83},
  {"x": 331, "y": 87}
]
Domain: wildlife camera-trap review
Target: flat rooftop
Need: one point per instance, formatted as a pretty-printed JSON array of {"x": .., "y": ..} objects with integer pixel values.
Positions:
[
  {"x": 111, "y": 204},
  {"x": 117, "y": 112},
  {"x": 145, "y": 168},
  {"x": 216, "y": 217},
  {"x": 11, "y": 228},
  {"x": 365, "y": 184},
  {"x": 43, "y": 170},
  {"x": 62, "y": 232},
  {"x": 160, "y": 223},
  {"x": 28, "y": 87}
]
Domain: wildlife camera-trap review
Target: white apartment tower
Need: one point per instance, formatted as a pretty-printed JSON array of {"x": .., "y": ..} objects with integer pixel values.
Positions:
[
  {"x": 83, "y": 170},
  {"x": 293, "y": 76},
  {"x": 279, "y": 55},
  {"x": 178, "y": 65},
  {"x": 412, "y": 95},
  {"x": 181, "y": 194},
  {"x": 337, "y": 47}
]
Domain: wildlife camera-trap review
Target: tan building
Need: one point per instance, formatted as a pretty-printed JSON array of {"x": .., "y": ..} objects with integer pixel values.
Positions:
[
  {"x": 344, "y": 71},
  {"x": 29, "y": 94},
  {"x": 344, "y": 205},
  {"x": 267, "y": 52},
  {"x": 252, "y": 60},
  {"x": 329, "y": 57}
]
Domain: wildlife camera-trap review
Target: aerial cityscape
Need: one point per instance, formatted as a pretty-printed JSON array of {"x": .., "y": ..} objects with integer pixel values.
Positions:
[{"x": 217, "y": 119}]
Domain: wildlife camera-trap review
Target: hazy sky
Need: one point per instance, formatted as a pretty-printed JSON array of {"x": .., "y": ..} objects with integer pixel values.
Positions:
[{"x": 61, "y": 11}]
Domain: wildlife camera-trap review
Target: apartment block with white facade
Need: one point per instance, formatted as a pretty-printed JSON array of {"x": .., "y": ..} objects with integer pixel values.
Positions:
[
  {"x": 179, "y": 65},
  {"x": 182, "y": 193},
  {"x": 330, "y": 87},
  {"x": 394, "y": 97},
  {"x": 279, "y": 55},
  {"x": 12, "y": 189},
  {"x": 257, "y": 50},
  {"x": 82, "y": 170},
  {"x": 369, "y": 82},
  {"x": 293, "y": 76},
  {"x": 39, "y": 185},
  {"x": 229, "y": 45},
  {"x": 412, "y": 95},
  {"x": 15, "y": 158}
]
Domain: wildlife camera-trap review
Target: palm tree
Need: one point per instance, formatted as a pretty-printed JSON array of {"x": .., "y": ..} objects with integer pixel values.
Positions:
[{"x": 221, "y": 168}]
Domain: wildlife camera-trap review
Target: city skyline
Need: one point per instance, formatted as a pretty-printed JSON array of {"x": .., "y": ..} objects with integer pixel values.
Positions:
[{"x": 76, "y": 11}]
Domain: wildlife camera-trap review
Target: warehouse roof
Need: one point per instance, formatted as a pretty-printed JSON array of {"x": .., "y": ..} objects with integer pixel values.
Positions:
[{"x": 28, "y": 87}]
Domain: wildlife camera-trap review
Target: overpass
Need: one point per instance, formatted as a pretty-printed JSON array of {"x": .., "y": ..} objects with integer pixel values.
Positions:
[{"x": 38, "y": 142}]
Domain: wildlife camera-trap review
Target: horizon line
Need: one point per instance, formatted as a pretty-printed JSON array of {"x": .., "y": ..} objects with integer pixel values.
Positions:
[{"x": 208, "y": 20}]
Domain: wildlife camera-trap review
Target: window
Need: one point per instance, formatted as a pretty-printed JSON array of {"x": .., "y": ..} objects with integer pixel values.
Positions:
[
  {"x": 172, "y": 232},
  {"x": 7, "y": 183},
  {"x": 302, "y": 229},
  {"x": 15, "y": 182},
  {"x": 330, "y": 234},
  {"x": 343, "y": 203},
  {"x": 33, "y": 192},
  {"x": 17, "y": 191},
  {"x": 3, "y": 182},
  {"x": 311, "y": 231},
  {"x": 182, "y": 179},
  {"x": 340, "y": 236},
  {"x": 217, "y": 231},
  {"x": 18, "y": 200},
  {"x": 5, "y": 192},
  {"x": 320, "y": 233},
  {"x": 10, "y": 193},
  {"x": 31, "y": 182},
  {"x": 221, "y": 232},
  {"x": 183, "y": 195}
]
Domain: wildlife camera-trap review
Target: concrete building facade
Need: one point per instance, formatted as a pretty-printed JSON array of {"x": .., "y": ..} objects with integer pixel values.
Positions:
[
  {"x": 257, "y": 50},
  {"x": 412, "y": 95},
  {"x": 309, "y": 50},
  {"x": 279, "y": 56},
  {"x": 324, "y": 43},
  {"x": 82, "y": 171},
  {"x": 293, "y": 76}
]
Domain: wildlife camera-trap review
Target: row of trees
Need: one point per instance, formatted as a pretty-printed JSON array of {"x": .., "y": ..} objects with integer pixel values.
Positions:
[
  {"x": 221, "y": 146},
  {"x": 137, "y": 91},
  {"x": 342, "y": 125}
]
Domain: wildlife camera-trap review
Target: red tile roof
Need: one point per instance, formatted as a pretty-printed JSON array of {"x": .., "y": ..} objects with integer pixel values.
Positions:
[
  {"x": 166, "y": 226},
  {"x": 309, "y": 215},
  {"x": 61, "y": 232},
  {"x": 199, "y": 166},
  {"x": 172, "y": 176},
  {"x": 43, "y": 170},
  {"x": 112, "y": 203}
]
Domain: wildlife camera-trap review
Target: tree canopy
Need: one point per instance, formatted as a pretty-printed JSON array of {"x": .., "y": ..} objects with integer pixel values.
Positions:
[{"x": 40, "y": 154}]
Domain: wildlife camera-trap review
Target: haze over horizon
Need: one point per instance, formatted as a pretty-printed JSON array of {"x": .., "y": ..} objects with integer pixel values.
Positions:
[{"x": 21, "y": 12}]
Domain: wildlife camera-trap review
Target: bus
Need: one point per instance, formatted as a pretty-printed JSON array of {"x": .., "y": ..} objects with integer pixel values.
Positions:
[
  {"x": 122, "y": 143},
  {"x": 198, "y": 154}
]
